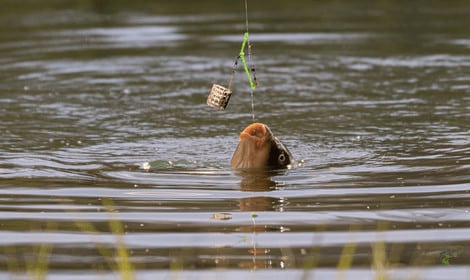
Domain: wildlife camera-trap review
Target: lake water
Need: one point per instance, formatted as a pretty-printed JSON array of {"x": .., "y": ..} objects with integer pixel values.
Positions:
[{"x": 112, "y": 166}]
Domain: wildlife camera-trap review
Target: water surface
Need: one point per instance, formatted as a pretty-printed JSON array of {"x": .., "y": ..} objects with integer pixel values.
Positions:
[{"x": 103, "y": 118}]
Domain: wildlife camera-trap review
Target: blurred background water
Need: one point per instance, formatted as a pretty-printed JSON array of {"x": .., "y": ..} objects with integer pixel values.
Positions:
[{"x": 371, "y": 97}]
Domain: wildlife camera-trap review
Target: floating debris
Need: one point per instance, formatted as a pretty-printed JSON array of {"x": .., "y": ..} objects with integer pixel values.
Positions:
[
  {"x": 221, "y": 216},
  {"x": 145, "y": 166}
]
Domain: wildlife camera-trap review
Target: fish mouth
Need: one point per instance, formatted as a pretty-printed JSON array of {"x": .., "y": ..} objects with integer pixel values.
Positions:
[
  {"x": 253, "y": 149},
  {"x": 257, "y": 133}
]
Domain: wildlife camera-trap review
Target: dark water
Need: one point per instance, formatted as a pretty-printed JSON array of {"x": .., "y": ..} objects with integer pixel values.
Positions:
[{"x": 371, "y": 97}]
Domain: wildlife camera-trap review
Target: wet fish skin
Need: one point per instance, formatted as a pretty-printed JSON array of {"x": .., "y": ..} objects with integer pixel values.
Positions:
[{"x": 260, "y": 149}]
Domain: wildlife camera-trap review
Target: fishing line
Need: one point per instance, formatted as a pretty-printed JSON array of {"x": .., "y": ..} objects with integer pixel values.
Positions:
[
  {"x": 246, "y": 15},
  {"x": 219, "y": 96},
  {"x": 252, "y": 67}
]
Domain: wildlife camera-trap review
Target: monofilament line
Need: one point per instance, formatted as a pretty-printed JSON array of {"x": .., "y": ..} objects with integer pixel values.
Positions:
[
  {"x": 246, "y": 15},
  {"x": 250, "y": 62},
  {"x": 252, "y": 106}
]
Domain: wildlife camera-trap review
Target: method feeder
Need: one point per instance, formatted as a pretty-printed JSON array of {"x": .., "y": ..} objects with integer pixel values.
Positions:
[{"x": 219, "y": 96}]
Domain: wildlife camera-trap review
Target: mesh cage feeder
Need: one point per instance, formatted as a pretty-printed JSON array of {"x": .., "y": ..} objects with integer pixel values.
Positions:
[{"x": 218, "y": 97}]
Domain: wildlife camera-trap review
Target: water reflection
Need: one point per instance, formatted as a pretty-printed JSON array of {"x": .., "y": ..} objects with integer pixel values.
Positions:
[{"x": 259, "y": 181}]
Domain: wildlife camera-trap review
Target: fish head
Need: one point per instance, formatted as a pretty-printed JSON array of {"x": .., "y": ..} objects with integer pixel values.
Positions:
[{"x": 260, "y": 149}]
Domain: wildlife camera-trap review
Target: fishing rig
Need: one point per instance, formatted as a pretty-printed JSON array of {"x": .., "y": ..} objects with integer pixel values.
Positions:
[{"x": 219, "y": 96}]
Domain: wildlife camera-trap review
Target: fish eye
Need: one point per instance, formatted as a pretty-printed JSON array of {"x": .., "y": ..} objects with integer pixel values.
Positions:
[{"x": 281, "y": 158}]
